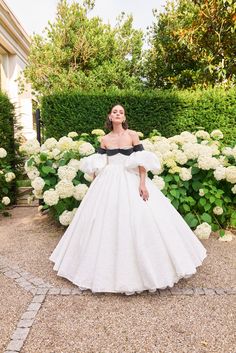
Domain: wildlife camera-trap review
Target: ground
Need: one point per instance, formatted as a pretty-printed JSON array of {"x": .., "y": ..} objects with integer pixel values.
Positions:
[{"x": 43, "y": 313}]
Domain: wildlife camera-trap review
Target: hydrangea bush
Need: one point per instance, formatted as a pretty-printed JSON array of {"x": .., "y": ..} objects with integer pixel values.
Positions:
[
  {"x": 53, "y": 169},
  {"x": 198, "y": 175},
  {"x": 6, "y": 178}
]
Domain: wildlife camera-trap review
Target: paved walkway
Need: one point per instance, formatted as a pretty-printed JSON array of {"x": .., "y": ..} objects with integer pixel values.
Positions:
[{"x": 47, "y": 314}]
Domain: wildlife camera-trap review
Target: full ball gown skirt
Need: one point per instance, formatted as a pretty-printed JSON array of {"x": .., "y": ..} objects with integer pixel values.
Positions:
[{"x": 119, "y": 243}]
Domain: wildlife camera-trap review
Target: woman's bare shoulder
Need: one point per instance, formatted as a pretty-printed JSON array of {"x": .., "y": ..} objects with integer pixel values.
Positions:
[
  {"x": 132, "y": 133},
  {"x": 105, "y": 139},
  {"x": 134, "y": 136}
]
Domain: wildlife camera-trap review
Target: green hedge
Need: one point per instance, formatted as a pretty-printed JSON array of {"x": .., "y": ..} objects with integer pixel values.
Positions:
[
  {"x": 170, "y": 112},
  {"x": 7, "y": 127},
  {"x": 7, "y": 120}
]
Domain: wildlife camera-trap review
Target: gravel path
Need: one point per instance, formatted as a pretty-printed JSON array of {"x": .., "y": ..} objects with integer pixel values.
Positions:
[{"x": 43, "y": 313}]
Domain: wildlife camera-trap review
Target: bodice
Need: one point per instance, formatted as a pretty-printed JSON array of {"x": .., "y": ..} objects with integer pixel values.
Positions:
[{"x": 127, "y": 151}]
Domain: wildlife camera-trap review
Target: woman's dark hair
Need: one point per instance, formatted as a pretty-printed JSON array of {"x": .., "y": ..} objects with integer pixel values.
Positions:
[{"x": 108, "y": 123}]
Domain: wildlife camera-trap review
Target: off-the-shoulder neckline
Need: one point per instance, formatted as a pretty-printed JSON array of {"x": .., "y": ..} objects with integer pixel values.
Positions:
[{"x": 120, "y": 148}]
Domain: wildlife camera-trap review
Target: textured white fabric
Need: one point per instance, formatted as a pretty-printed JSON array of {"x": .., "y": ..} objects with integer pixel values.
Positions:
[
  {"x": 146, "y": 159},
  {"x": 119, "y": 243},
  {"x": 93, "y": 164}
]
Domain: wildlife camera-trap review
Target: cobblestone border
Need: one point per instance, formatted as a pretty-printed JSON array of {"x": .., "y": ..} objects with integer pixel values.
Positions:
[{"x": 40, "y": 289}]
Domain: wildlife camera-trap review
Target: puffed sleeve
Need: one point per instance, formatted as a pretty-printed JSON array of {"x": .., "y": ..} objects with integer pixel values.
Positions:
[
  {"x": 143, "y": 158},
  {"x": 94, "y": 163}
]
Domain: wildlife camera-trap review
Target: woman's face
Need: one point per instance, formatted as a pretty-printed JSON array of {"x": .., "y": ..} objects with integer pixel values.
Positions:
[{"x": 117, "y": 114}]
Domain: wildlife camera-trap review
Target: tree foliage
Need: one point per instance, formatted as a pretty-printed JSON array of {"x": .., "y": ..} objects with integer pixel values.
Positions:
[
  {"x": 193, "y": 43},
  {"x": 84, "y": 53}
]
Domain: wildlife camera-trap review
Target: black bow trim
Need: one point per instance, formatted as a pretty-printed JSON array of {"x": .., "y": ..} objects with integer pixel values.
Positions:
[{"x": 125, "y": 151}]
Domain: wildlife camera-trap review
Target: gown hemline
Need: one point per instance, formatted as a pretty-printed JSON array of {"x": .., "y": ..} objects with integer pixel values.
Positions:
[{"x": 134, "y": 291}]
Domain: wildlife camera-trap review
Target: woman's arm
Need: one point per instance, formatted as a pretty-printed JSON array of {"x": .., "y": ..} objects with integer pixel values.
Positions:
[{"x": 143, "y": 191}]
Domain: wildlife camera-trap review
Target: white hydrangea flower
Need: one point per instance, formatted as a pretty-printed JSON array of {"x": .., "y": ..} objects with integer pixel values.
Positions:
[
  {"x": 6, "y": 200},
  {"x": 30, "y": 199},
  {"x": 148, "y": 145},
  {"x": 30, "y": 147},
  {"x": 74, "y": 163},
  {"x": 66, "y": 217},
  {"x": 191, "y": 150},
  {"x": 80, "y": 191},
  {"x": 38, "y": 194},
  {"x": 202, "y": 134},
  {"x": 203, "y": 230},
  {"x": 66, "y": 172},
  {"x": 51, "y": 197},
  {"x": 85, "y": 149},
  {"x": 185, "y": 174},
  {"x": 231, "y": 174},
  {"x": 170, "y": 163},
  {"x": 217, "y": 134},
  {"x": 174, "y": 146},
  {"x": 207, "y": 162},
  {"x": 88, "y": 177},
  {"x": 188, "y": 137},
  {"x": 65, "y": 188},
  {"x": 50, "y": 143},
  {"x": 38, "y": 184},
  {"x": 227, "y": 151},
  {"x": 98, "y": 132},
  {"x": 64, "y": 144},
  {"x": 3, "y": 153},
  {"x": 9, "y": 177},
  {"x": 180, "y": 157},
  {"x": 32, "y": 173},
  {"x": 72, "y": 134},
  {"x": 234, "y": 152},
  {"x": 159, "y": 182},
  {"x": 162, "y": 146},
  {"x": 201, "y": 192},
  {"x": 218, "y": 210},
  {"x": 233, "y": 189},
  {"x": 55, "y": 154},
  {"x": 175, "y": 170},
  {"x": 220, "y": 173}
]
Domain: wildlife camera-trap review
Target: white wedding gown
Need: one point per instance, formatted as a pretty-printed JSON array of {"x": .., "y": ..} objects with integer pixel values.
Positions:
[{"x": 119, "y": 243}]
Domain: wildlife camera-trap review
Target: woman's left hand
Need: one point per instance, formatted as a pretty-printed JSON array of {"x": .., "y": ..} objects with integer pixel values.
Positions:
[{"x": 143, "y": 192}]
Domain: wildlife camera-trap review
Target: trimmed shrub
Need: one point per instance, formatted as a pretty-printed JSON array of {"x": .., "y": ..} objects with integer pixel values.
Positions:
[{"x": 170, "y": 112}]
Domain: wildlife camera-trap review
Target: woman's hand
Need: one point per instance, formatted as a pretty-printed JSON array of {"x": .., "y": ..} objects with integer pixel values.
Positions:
[{"x": 143, "y": 192}]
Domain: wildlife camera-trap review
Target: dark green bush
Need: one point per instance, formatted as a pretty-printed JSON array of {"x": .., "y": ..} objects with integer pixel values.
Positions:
[
  {"x": 7, "y": 121},
  {"x": 170, "y": 112}
]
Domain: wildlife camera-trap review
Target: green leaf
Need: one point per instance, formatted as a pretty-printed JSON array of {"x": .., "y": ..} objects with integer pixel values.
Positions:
[
  {"x": 186, "y": 207},
  {"x": 43, "y": 156},
  {"x": 191, "y": 220},
  {"x": 175, "y": 203},
  {"x": 175, "y": 193},
  {"x": 207, "y": 207},
  {"x": 221, "y": 232},
  {"x": 46, "y": 170},
  {"x": 62, "y": 162},
  {"x": 212, "y": 199},
  {"x": 195, "y": 170},
  {"x": 206, "y": 218},
  {"x": 202, "y": 201},
  {"x": 196, "y": 185}
]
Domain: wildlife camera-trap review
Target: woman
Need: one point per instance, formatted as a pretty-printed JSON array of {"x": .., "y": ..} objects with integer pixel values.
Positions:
[{"x": 126, "y": 236}]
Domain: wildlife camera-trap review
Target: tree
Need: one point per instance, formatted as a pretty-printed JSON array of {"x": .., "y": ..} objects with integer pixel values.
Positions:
[
  {"x": 193, "y": 43},
  {"x": 78, "y": 52}
]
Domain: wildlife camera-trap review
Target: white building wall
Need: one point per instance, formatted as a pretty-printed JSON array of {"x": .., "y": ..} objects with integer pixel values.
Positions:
[{"x": 14, "y": 48}]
